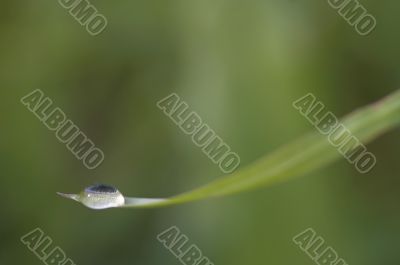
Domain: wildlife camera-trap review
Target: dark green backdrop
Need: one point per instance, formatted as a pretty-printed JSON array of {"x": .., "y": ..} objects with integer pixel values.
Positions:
[{"x": 240, "y": 65}]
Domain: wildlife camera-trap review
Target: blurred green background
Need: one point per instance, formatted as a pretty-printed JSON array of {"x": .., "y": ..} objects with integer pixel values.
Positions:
[{"x": 240, "y": 65}]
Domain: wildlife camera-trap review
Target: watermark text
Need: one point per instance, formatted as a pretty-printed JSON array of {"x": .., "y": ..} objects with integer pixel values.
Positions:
[
  {"x": 201, "y": 134},
  {"x": 338, "y": 135},
  {"x": 65, "y": 130}
]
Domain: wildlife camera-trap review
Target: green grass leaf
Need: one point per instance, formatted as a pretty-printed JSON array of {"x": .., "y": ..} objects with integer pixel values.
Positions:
[
  {"x": 310, "y": 152},
  {"x": 298, "y": 158}
]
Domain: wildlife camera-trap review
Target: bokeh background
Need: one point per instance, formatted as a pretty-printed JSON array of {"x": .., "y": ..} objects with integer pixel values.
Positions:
[{"x": 240, "y": 65}]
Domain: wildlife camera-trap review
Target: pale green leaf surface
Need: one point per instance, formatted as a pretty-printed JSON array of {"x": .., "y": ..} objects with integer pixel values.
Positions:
[
  {"x": 308, "y": 153},
  {"x": 300, "y": 157}
]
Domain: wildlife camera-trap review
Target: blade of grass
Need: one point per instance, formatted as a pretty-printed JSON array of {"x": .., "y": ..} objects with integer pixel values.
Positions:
[{"x": 308, "y": 153}]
